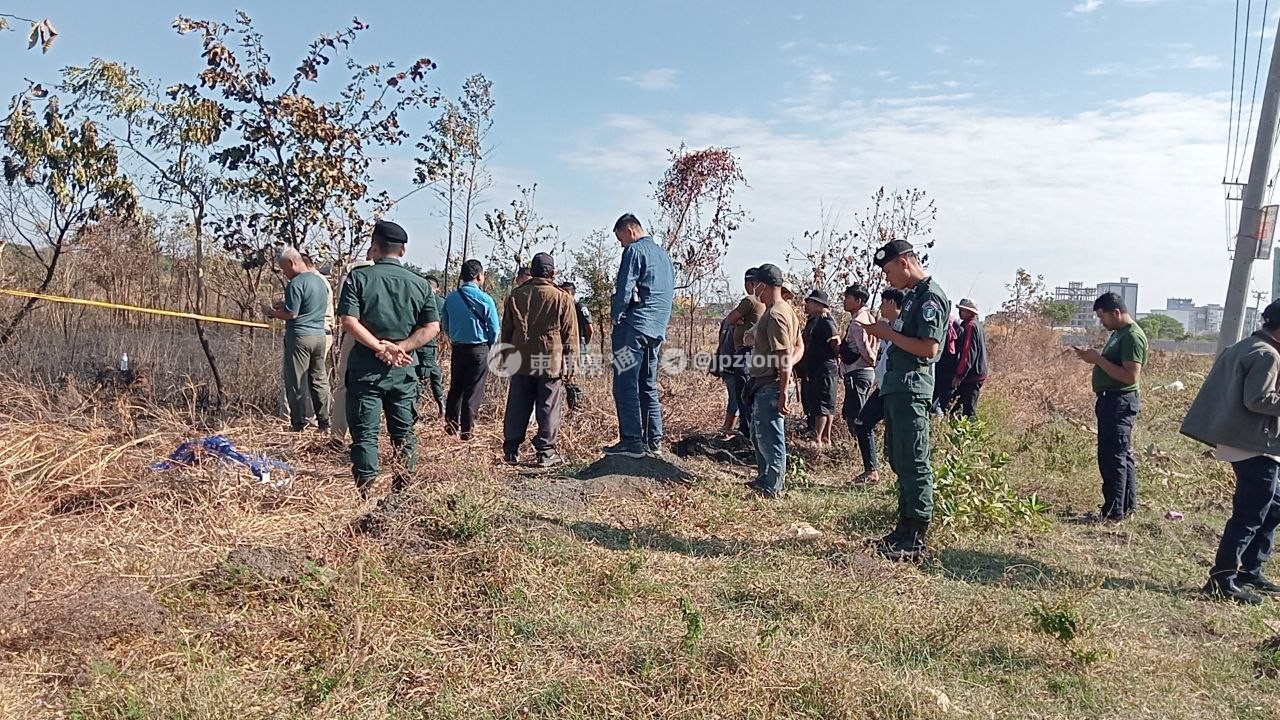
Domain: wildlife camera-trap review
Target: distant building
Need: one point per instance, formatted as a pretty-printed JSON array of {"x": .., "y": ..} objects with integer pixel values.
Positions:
[
  {"x": 1202, "y": 319},
  {"x": 1178, "y": 304},
  {"x": 1082, "y": 298},
  {"x": 1125, "y": 289}
]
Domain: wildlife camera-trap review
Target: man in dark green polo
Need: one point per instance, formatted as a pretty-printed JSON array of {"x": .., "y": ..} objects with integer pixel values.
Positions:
[
  {"x": 429, "y": 356},
  {"x": 907, "y": 391},
  {"x": 391, "y": 312}
]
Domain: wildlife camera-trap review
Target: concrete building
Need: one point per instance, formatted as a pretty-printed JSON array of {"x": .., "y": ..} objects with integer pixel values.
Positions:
[
  {"x": 1125, "y": 289},
  {"x": 1082, "y": 297}
]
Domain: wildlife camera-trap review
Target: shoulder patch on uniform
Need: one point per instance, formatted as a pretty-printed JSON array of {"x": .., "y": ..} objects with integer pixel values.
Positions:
[{"x": 931, "y": 309}]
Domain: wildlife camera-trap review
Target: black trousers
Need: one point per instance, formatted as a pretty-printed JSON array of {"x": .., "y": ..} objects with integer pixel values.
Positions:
[
  {"x": 966, "y": 399},
  {"x": 466, "y": 386},
  {"x": 864, "y": 428},
  {"x": 1250, "y": 533},
  {"x": 1116, "y": 414},
  {"x": 544, "y": 398}
]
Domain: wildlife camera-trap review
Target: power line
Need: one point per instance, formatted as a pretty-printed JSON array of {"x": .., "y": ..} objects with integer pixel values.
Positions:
[
  {"x": 1257, "y": 69},
  {"x": 1244, "y": 72},
  {"x": 1231, "y": 105}
]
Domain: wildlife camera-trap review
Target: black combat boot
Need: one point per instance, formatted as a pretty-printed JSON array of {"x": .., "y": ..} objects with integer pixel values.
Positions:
[
  {"x": 1258, "y": 584},
  {"x": 895, "y": 535},
  {"x": 910, "y": 546}
]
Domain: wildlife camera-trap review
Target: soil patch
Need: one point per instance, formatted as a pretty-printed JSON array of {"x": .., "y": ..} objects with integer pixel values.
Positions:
[
  {"x": 609, "y": 479},
  {"x": 103, "y": 608}
]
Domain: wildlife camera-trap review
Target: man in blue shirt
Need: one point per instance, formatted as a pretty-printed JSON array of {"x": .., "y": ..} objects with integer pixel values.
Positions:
[
  {"x": 640, "y": 311},
  {"x": 470, "y": 319},
  {"x": 306, "y": 342}
]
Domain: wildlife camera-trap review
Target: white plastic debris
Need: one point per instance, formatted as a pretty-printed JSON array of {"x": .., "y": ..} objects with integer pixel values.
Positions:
[
  {"x": 1173, "y": 515},
  {"x": 1176, "y": 386},
  {"x": 805, "y": 531}
]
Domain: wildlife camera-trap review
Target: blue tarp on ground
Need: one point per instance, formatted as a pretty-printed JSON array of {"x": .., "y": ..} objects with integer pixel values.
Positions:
[{"x": 191, "y": 451}]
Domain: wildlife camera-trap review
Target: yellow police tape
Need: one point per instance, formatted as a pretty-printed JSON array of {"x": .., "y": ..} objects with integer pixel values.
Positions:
[{"x": 133, "y": 308}]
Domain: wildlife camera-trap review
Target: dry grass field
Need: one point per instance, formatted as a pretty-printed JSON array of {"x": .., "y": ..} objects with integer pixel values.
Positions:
[{"x": 499, "y": 592}]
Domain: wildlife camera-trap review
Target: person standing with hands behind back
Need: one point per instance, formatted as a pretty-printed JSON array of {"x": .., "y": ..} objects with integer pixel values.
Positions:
[
  {"x": 1116, "y": 373},
  {"x": 390, "y": 311}
]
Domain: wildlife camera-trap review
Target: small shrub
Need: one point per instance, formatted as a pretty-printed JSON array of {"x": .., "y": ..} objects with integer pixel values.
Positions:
[
  {"x": 971, "y": 489},
  {"x": 693, "y": 626},
  {"x": 1061, "y": 619},
  {"x": 797, "y": 470},
  {"x": 468, "y": 518}
]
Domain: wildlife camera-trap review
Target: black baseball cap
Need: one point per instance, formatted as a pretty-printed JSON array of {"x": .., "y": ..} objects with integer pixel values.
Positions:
[
  {"x": 770, "y": 275},
  {"x": 892, "y": 250},
  {"x": 389, "y": 232},
  {"x": 1271, "y": 313},
  {"x": 542, "y": 265}
]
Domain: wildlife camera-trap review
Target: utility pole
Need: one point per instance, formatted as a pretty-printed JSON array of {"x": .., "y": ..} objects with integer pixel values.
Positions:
[{"x": 1251, "y": 209}]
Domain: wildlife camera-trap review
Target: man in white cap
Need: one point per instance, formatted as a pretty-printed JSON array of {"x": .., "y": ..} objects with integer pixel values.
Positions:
[{"x": 971, "y": 363}]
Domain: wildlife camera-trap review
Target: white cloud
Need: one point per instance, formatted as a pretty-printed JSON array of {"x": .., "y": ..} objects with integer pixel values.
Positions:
[
  {"x": 1128, "y": 188},
  {"x": 939, "y": 49},
  {"x": 655, "y": 79},
  {"x": 1195, "y": 62},
  {"x": 1085, "y": 7}
]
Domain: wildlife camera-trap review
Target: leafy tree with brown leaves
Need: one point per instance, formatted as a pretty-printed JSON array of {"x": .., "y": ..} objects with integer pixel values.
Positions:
[
  {"x": 60, "y": 176},
  {"x": 41, "y": 32},
  {"x": 170, "y": 135},
  {"x": 698, "y": 219},
  {"x": 302, "y": 164}
]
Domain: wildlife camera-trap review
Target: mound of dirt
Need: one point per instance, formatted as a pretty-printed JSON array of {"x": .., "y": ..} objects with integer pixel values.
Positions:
[
  {"x": 102, "y": 609},
  {"x": 395, "y": 513},
  {"x": 653, "y": 468},
  {"x": 609, "y": 479}
]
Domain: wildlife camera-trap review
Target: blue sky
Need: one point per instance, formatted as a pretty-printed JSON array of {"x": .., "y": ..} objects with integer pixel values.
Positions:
[{"x": 1083, "y": 140}]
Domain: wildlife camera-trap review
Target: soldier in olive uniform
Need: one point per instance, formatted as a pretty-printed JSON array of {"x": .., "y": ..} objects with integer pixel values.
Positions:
[
  {"x": 429, "y": 356},
  {"x": 917, "y": 337},
  {"x": 391, "y": 312}
]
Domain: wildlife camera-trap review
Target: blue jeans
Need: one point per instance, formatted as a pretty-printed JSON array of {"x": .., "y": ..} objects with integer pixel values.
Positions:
[
  {"x": 1250, "y": 533},
  {"x": 770, "y": 441},
  {"x": 635, "y": 386}
]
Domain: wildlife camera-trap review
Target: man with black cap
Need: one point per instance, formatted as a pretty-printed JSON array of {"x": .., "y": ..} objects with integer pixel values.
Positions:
[
  {"x": 539, "y": 338},
  {"x": 1238, "y": 411},
  {"x": 390, "y": 311},
  {"x": 641, "y": 310},
  {"x": 917, "y": 336},
  {"x": 470, "y": 319},
  {"x": 775, "y": 347},
  {"x": 971, "y": 360},
  {"x": 819, "y": 366}
]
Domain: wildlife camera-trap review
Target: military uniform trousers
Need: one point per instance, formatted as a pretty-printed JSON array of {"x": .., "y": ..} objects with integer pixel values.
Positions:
[
  {"x": 429, "y": 370},
  {"x": 370, "y": 396},
  {"x": 906, "y": 424}
]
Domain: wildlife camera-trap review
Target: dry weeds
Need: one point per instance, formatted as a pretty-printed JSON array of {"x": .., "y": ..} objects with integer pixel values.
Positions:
[{"x": 500, "y": 592}]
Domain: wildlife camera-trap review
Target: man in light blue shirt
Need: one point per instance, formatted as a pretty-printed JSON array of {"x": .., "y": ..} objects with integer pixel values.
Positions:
[
  {"x": 470, "y": 319},
  {"x": 306, "y": 340},
  {"x": 641, "y": 310}
]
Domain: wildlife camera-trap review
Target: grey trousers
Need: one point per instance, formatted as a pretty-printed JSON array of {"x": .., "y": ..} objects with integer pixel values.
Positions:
[
  {"x": 306, "y": 375},
  {"x": 544, "y": 397}
]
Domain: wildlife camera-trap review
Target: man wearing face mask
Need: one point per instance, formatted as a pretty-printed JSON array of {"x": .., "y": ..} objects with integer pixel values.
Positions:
[{"x": 917, "y": 337}]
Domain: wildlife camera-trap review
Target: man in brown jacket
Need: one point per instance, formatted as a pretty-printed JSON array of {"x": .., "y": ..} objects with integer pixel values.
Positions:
[{"x": 540, "y": 333}]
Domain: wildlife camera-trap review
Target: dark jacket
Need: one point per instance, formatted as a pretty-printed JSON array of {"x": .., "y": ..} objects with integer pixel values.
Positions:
[
  {"x": 975, "y": 365},
  {"x": 540, "y": 323},
  {"x": 1239, "y": 404}
]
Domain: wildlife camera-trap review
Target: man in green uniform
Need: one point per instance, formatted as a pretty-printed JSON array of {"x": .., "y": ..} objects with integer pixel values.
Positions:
[
  {"x": 917, "y": 337},
  {"x": 391, "y": 312},
  {"x": 429, "y": 355}
]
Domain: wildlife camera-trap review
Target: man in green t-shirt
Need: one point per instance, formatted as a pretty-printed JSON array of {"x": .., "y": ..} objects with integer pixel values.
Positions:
[
  {"x": 907, "y": 392},
  {"x": 777, "y": 348},
  {"x": 304, "y": 310},
  {"x": 1116, "y": 371}
]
